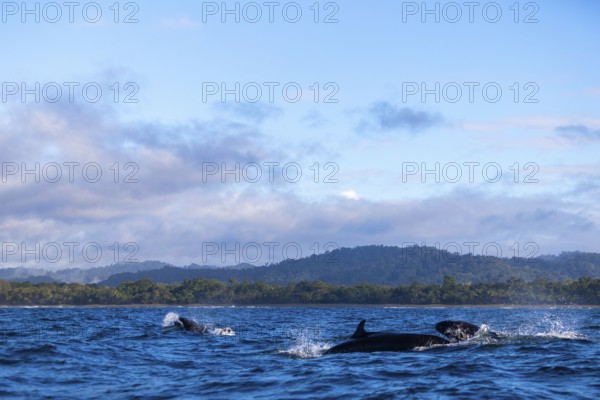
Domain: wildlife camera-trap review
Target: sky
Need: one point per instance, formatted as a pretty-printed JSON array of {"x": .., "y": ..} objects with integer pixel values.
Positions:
[{"x": 227, "y": 132}]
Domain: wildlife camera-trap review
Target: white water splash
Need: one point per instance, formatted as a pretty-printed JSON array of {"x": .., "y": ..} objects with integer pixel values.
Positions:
[
  {"x": 558, "y": 330},
  {"x": 306, "y": 350},
  {"x": 550, "y": 326},
  {"x": 561, "y": 335},
  {"x": 485, "y": 335},
  {"x": 227, "y": 331},
  {"x": 484, "y": 332},
  {"x": 305, "y": 346},
  {"x": 170, "y": 319}
]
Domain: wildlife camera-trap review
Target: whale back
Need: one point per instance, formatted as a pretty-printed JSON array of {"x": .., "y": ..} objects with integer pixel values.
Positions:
[
  {"x": 366, "y": 342},
  {"x": 190, "y": 325},
  {"x": 185, "y": 323}
]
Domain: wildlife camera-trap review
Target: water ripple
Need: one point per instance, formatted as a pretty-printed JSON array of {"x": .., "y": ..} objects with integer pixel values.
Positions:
[{"x": 278, "y": 353}]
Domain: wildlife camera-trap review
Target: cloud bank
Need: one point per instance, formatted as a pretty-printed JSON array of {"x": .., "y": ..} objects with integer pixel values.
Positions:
[{"x": 155, "y": 200}]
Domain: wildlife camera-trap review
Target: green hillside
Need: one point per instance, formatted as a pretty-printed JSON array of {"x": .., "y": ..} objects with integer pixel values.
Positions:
[{"x": 387, "y": 265}]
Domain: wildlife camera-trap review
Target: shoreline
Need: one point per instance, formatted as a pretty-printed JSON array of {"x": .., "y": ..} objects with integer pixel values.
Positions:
[{"x": 300, "y": 305}]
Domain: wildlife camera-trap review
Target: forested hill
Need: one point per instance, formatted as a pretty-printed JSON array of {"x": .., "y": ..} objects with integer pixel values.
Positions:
[
  {"x": 75, "y": 275},
  {"x": 388, "y": 265}
]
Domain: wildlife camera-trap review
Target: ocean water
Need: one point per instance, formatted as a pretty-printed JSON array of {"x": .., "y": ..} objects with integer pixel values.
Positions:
[{"x": 277, "y": 352}]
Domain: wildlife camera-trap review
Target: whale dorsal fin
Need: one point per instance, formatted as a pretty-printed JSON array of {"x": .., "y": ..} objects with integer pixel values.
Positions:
[{"x": 360, "y": 330}]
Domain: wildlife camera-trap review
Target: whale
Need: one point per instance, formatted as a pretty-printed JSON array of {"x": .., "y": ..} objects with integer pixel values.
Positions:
[
  {"x": 367, "y": 342},
  {"x": 189, "y": 325},
  {"x": 457, "y": 330},
  {"x": 461, "y": 330},
  {"x": 192, "y": 326}
]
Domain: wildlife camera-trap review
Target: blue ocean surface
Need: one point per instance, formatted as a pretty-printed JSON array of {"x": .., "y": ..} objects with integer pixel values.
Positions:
[{"x": 277, "y": 352}]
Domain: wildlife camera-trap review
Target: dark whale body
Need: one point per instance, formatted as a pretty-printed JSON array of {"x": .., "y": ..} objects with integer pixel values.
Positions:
[
  {"x": 190, "y": 325},
  {"x": 457, "y": 330},
  {"x": 366, "y": 342}
]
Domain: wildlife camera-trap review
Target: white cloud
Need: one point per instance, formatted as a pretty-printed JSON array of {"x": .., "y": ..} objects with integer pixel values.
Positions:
[
  {"x": 171, "y": 212},
  {"x": 350, "y": 194},
  {"x": 537, "y": 122}
]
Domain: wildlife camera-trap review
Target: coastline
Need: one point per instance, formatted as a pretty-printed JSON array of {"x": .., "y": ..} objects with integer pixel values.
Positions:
[{"x": 300, "y": 305}]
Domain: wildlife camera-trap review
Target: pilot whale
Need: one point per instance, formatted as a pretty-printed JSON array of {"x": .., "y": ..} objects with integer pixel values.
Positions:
[
  {"x": 192, "y": 326},
  {"x": 366, "y": 342},
  {"x": 189, "y": 325},
  {"x": 461, "y": 330},
  {"x": 457, "y": 330}
]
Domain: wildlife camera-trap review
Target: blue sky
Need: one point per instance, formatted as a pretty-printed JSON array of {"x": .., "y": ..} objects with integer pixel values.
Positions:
[{"x": 369, "y": 142}]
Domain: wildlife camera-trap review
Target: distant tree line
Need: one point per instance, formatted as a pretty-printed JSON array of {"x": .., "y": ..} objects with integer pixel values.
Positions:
[{"x": 583, "y": 291}]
